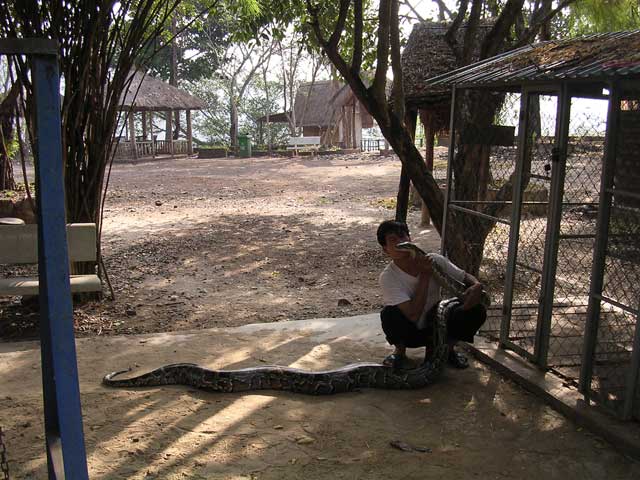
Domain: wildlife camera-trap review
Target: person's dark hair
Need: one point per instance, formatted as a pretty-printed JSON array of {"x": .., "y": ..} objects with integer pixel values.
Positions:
[{"x": 391, "y": 226}]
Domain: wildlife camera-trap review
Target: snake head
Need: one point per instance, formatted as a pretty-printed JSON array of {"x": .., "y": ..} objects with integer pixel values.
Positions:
[{"x": 411, "y": 247}]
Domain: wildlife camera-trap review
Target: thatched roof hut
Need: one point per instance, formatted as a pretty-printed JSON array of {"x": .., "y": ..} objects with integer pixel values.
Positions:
[
  {"x": 147, "y": 93},
  {"x": 317, "y": 103},
  {"x": 427, "y": 55}
]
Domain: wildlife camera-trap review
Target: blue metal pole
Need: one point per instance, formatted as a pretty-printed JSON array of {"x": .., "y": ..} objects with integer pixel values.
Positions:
[{"x": 66, "y": 455}]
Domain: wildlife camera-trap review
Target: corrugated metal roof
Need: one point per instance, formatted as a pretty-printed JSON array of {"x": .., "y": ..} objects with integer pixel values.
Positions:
[{"x": 595, "y": 57}]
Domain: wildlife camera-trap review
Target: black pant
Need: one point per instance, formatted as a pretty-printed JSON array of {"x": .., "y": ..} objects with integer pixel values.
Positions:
[{"x": 461, "y": 325}]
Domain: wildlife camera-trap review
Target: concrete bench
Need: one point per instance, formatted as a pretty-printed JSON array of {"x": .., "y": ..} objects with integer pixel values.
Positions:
[
  {"x": 303, "y": 144},
  {"x": 19, "y": 246}
]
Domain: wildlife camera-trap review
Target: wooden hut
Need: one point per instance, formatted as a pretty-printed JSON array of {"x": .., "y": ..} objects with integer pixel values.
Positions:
[
  {"x": 145, "y": 96},
  {"x": 327, "y": 109}
]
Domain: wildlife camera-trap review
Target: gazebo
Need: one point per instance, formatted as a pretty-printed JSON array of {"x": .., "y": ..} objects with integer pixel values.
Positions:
[{"x": 146, "y": 95}]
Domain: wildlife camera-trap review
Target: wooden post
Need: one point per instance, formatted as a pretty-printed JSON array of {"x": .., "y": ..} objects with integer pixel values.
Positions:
[
  {"x": 144, "y": 126},
  {"x": 429, "y": 135},
  {"x": 153, "y": 140},
  {"x": 132, "y": 132},
  {"x": 169, "y": 131},
  {"x": 189, "y": 134}
]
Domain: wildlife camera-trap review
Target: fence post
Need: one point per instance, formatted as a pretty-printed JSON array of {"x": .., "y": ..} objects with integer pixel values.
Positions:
[
  {"x": 559, "y": 160},
  {"x": 66, "y": 455},
  {"x": 600, "y": 247}
]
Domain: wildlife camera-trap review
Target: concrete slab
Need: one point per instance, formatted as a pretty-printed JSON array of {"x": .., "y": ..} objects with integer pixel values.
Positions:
[{"x": 473, "y": 423}]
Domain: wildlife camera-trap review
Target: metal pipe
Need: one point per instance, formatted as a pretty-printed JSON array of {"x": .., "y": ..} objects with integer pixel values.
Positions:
[
  {"x": 599, "y": 251},
  {"x": 615, "y": 303},
  {"x": 632, "y": 374},
  {"x": 447, "y": 193},
  {"x": 514, "y": 231},
  {"x": 547, "y": 287},
  {"x": 479, "y": 214}
]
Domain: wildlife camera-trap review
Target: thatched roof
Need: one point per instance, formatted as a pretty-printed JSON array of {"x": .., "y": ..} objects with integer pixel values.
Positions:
[
  {"x": 318, "y": 104},
  {"x": 426, "y": 55},
  {"x": 314, "y": 103},
  {"x": 152, "y": 94}
]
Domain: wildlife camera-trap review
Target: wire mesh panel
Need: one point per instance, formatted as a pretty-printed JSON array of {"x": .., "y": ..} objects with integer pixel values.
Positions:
[
  {"x": 583, "y": 169},
  {"x": 616, "y": 356},
  {"x": 478, "y": 213},
  {"x": 528, "y": 251}
]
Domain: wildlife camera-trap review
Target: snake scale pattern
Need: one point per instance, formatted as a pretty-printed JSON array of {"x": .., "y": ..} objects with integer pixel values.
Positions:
[{"x": 345, "y": 379}]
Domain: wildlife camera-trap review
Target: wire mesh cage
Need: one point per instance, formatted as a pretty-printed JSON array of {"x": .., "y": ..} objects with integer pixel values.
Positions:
[{"x": 556, "y": 245}]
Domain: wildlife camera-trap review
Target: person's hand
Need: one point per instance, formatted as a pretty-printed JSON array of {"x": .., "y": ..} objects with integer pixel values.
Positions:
[
  {"x": 424, "y": 264},
  {"x": 471, "y": 296}
]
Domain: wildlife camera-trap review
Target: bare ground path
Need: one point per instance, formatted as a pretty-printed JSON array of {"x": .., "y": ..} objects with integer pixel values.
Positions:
[{"x": 194, "y": 243}]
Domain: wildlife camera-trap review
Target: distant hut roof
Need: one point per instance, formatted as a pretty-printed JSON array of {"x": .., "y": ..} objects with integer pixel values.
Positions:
[
  {"x": 314, "y": 104},
  {"x": 152, "y": 94},
  {"x": 426, "y": 55},
  {"x": 318, "y": 103},
  {"x": 597, "y": 57}
]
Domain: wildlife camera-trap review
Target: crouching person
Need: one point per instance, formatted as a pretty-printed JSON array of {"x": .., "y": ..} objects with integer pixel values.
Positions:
[{"x": 411, "y": 298}]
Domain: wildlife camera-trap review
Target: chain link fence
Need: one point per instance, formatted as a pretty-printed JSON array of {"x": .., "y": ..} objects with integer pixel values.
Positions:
[{"x": 536, "y": 214}]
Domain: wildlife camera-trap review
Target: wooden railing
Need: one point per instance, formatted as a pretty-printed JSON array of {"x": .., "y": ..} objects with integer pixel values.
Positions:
[{"x": 147, "y": 148}]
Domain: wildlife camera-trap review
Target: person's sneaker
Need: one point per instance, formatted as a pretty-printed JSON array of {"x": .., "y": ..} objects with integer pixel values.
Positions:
[
  {"x": 394, "y": 361},
  {"x": 457, "y": 360}
]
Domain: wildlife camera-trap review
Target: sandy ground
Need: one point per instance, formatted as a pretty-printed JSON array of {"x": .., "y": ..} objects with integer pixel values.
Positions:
[{"x": 202, "y": 248}]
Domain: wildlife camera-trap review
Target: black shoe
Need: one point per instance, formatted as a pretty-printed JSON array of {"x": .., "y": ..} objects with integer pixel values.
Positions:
[
  {"x": 394, "y": 361},
  {"x": 457, "y": 360}
]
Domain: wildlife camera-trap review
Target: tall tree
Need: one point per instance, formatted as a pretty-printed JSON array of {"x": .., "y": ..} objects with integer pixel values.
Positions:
[{"x": 331, "y": 24}]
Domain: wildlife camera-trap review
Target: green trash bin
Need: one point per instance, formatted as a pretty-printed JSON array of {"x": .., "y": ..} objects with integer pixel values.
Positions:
[{"x": 244, "y": 145}]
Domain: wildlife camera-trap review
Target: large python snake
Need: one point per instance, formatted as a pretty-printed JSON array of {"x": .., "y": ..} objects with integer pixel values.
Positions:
[{"x": 344, "y": 379}]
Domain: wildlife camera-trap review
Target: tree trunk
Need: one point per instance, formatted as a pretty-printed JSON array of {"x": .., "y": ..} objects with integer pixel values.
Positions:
[
  {"x": 7, "y": 114},
  {"x": 233, "y": 131},
  {"x": 404, "y": 187}
]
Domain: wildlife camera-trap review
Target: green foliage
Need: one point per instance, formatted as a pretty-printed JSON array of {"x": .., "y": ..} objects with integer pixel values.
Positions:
[
  {"x": 597, "y": 16},
  {"x": 255, "y": 106},
  {"x": 211, "y": 124}
]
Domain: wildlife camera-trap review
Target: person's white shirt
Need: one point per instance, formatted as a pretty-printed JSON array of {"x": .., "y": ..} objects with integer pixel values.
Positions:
[{"x": 399, "y": 287}]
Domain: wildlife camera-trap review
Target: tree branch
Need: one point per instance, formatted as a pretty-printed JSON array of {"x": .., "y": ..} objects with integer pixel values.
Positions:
[
  {"x": 339, "y": 28},
  {"x": 413, "y": 10},
  {"x": 471, "y": 31},
  {"x": 495, "y": 38},
  {"x": 356, "y": 62},
  {"x": 443, "y": 10},
  {"x": 538, "y": 23},
  {"x": 380, "y": 82},
  {"x": 452, "y": 31},
  {"x": 396, "y": 61}
]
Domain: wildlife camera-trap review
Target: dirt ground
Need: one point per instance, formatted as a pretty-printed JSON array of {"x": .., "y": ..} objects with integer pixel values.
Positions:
[
  {"x": 195, "y": 243},
  {"x": 202, "y": 248}
]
